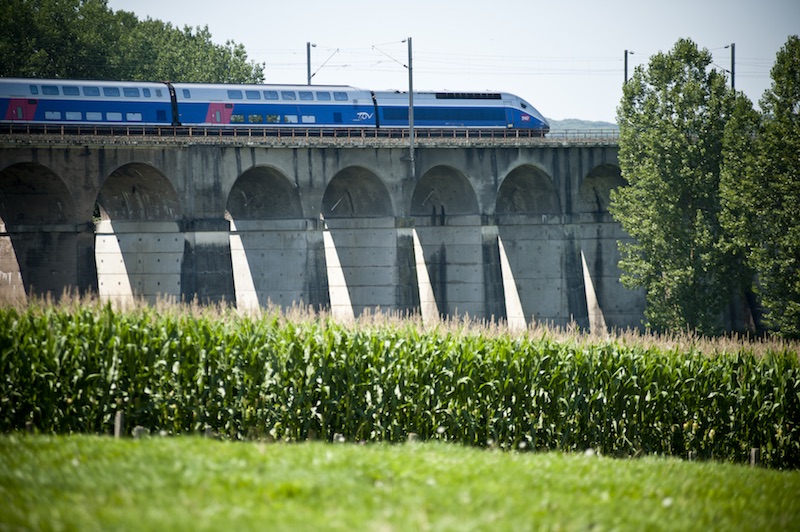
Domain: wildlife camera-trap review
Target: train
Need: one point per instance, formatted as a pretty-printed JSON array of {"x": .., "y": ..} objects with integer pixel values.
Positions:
[{"x": 74, "y": 102}]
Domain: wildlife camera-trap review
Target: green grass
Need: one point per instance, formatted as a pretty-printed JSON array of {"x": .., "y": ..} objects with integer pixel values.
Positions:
[{"x": 189, "y": 483}]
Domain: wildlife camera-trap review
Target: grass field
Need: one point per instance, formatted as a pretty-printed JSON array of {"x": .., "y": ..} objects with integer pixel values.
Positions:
[{"x": 191, "y": 483}]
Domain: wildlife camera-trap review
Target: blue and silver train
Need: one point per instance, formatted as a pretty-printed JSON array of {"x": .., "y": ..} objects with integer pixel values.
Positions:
[{"x": 59, "y": 101}]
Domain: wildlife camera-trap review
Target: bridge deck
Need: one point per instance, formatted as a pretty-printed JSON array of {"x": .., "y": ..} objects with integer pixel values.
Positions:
[{"x": 16, "y": 134}]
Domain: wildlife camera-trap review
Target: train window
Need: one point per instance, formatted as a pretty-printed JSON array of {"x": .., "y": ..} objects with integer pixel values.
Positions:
[
  {"x": 217, "y": 116},
  {"x": 235, "y": 95},
  {"x": 252, "y": 95},
  {"x": 288, "y": 95},
  {"x": 91, "y": 91},
  {"x": 306, "y": 95},
  {"x": 20, "y": 115},
  {"x": 270, "y": 95},
  {"x": 52, "y": 115},
  {"x": 324, "y": 96},
  {"x": 34, "y": 89},
  {"x": 186, "y": 93},
  {"x": 340, "y": 96},
  {"x": 133, "y": 117},
  {"x": 146, "y": 93},
  {"x": 114, "y": 117},
  {"x": 50, "y": 89},
  {"x": 309, "y": 119},
  {"x": 74, "y": 115},
  {"x": 130, "y": 92},
  {"x": 158, "y": 93},
  {"x": 237, "y": 119},
  {"x": 71, "y": 91},
  {"x": 290, "y": 119},
  {"x": 255, "y": 119},
  {"x": 273, "y": 119},
  {"x": 94, "y": 116},
  {"x": 110, "y": 91}
]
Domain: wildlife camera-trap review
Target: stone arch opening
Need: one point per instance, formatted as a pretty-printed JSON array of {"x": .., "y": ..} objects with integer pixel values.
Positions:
[
  {"x": 356, "y": 193},
  {"x": 599, "y": 245},
  {"x": 594, "y": 195},
  {"x": 139, "y": 246},
  {"x": 33, "y": 194},
  {"x": 36, "y": 255},
  {"x": 448, "y": 227},
  {"x": 528, "y": 190},
  {"x": 268, "y": 240},
  {"x": 264, "y": 193},
  {"x": 444, "y": 191},
  {"x": 138, "y": 192},
  {"x": 359, "y": 243},
  {"x": 528, "y": 209}
]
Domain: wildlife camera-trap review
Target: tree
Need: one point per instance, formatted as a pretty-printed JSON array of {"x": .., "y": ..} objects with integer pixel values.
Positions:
[
  {"x": 167, "y": 53},
  {"x": 16, "y": 33},
  {"x": 761, "y": 192},
  {"x": 85, "y": 39},
  {"x": 672, "y": 119}
]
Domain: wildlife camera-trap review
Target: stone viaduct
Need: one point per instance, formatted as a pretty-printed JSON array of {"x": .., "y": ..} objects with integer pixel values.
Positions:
[{"x": 506, "y": 229}]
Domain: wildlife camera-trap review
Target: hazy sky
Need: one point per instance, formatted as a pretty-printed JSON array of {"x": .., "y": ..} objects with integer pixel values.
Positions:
[{"x": 565, "y": 57}]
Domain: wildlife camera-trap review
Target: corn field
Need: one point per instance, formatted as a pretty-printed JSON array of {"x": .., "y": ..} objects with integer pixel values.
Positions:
[{"x": 67, "y": 369}]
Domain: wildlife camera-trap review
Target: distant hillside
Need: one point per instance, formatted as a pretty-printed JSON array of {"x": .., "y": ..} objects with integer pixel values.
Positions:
[{"x": 575, "y": 123}]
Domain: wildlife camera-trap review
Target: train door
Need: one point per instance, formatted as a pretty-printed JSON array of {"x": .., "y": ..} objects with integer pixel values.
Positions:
[
  {"x": 508, "y": 105},
  {"x": 510, "y": 117},
  {"x": 219, "y": 113},
  {"x": 21, "y": 110}
]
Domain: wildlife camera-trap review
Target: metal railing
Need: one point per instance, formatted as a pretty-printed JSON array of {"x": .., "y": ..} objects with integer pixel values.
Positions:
[{"x": 310, "y": 135}]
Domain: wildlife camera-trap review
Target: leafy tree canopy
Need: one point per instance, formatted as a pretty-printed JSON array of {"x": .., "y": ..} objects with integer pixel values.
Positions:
[
  {"x": 672, "y": 119},
  {"x": 84, "y": 39},
  {"x": 761, "y": 191}
]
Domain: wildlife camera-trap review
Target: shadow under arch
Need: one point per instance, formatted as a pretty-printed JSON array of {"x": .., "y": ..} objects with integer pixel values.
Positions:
[
  {"x": 443, "y": 191},
  {"x": 38, "y": 236},
  {"x": 594, "y": 195},
  {"x": 138, "y": 192},
  {"x": 528, "y": 190},
  {"x": 139, "y": 246},
  {"x": 269, "y": 242},
  {"x": 356, "y": 192},
  {"x": 263, "y": 193}
]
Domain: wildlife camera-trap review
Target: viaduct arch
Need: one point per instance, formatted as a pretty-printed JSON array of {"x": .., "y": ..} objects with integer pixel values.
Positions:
[{"x": 248, "y": 224}]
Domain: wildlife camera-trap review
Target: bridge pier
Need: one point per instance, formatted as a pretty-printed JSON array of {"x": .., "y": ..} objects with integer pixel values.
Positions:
[
  {"x": 494, "y": 293},
  {"x": 206, "y": 272},
  {"x": 46, "y": 260}
]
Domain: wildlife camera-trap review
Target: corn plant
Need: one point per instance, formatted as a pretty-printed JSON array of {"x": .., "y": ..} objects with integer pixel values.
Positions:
[{"x": 71, "y": 368}]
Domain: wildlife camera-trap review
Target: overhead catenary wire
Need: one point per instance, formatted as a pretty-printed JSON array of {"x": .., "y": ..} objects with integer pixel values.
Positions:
[{"x": 376, "y": 59}]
